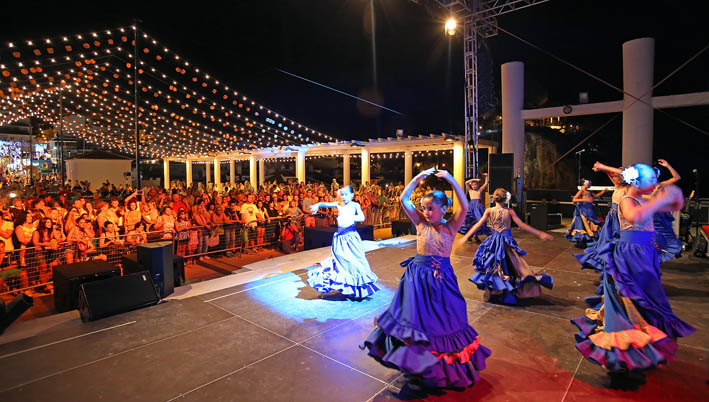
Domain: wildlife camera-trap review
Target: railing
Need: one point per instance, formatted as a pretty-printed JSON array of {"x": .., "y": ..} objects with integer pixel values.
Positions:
[{"x": 32, "y": 267}]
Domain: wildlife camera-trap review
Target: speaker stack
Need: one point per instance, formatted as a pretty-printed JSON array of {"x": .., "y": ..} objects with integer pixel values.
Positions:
[
  {"x": 119, "y": 294},
  {"x": 157, "y": 259},
  {"x": 500, "y": 172}
]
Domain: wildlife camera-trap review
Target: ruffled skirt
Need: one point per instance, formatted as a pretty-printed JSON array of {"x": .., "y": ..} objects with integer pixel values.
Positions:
[
  {"x": 666, "y": 242},
  {"x": 425, "y": 330},
  {"x": 585, "y": 225},
  {"x": 592, "y": 257},
  {"x": 475, "y": 212},
  {"x": 501, "y": 269},
  {"x": 346, "y": 269},
  {"x": 630, "y": 327}
]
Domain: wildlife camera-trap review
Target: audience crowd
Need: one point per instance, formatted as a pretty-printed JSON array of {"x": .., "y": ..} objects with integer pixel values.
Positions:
[{"x": 48, "y": 224}]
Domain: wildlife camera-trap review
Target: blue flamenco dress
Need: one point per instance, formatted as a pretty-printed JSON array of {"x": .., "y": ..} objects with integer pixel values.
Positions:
[
  {"x": 425, "y": 332},
  {"x": 631, "y": 326},
  {"x": 499, "y": 266},
  {"x": 585, "y": 225},
  {"x": 346, "y": 269},
  {"x": 592, "y": 257},
  {"x": 666, "y": 242},
  {"x": 475, "y": 212}
]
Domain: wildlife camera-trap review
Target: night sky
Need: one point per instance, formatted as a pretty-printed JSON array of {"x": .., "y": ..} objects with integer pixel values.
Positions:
[{"x": 244, "y": 43}]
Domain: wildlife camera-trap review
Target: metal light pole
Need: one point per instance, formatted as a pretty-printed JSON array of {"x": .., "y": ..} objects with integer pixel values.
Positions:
[{"x": 135, "y": 100}]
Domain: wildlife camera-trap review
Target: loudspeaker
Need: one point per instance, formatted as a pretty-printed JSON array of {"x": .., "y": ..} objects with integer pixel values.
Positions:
[
  {"x": 12, "y": 311},
  {"x": 68, "y": 277},
  {"x": 538, "y": 216},
  {"x": 157, "y": 258},
  {"x": 99, "y": 299},
  {"x": 500, "y": 172},
  {"x": 130, "y": 264}
]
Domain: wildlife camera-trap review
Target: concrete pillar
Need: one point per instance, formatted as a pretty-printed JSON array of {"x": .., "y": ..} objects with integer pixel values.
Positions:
[
  {"x": 365, "y": 166},
  {"x": 458, "y": 169},
  {"x": 346, "y": 169},
  {"x": 217, "y": 175},
  {"x": 166, "y": 174},
  {"x": 208, "y": 175},
  {"x": 232, "y": 178},
  {"x": 261, "y": 172},
  {"x": 300, "y": 166},
  {"x": 252, "y": 171},
  {"x": 188, "y": 172},
  {"x": 512, "y": 122},
  {"x": 638, "y": 70},
  {"x": 408, "y": 167}
]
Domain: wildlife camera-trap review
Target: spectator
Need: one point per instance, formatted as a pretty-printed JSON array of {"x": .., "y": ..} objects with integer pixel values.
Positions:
[{"x": 290, "y": 236}]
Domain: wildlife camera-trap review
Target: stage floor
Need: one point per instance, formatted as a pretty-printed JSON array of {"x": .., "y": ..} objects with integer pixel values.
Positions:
[{"x": 274, "y": 339}]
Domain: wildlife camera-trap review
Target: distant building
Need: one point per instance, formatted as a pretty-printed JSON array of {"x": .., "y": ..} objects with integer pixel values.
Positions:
[{"x": 98, "y": 166}]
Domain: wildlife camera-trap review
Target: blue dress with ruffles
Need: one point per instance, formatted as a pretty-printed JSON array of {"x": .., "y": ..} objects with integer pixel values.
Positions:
[
  {"x": 346, "y": 269},
  {"x": 475, "y": 212},
  {"x": 499, "y": 266},
  {"x": 632, "y": 326},
  {"x": 584, "y": 227},
  {"x": 425, "y": 330}
]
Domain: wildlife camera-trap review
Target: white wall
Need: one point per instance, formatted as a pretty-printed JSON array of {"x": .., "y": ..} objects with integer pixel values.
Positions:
[{"x": 97, "y": 171}]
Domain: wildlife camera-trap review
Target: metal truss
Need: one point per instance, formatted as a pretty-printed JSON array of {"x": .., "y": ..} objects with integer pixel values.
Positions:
[{"x": 479, "y": 18}]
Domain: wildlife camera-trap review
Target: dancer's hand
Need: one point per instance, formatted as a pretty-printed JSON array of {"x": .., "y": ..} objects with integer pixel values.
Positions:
[
  {"x": 314, "y": 209},
  {"x": 597, "y": 166},
  {"x": 443, "y": 174},
  {"x": 663, "y": 162},
  {"x": 671, "y": 196},
  {"x": 424, "y": 174},
  {"x": 545, "y": 236}
]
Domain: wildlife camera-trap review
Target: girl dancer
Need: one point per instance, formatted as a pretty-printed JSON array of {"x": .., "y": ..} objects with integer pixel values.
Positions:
[
  {"x": 584, "y": 227},
  {"x": 346, "y": 269},
  {"x": 665, "y": 239},
  {"x": 475, "y": 208},
  {"x": 632, "y": 327},
  {"x": 425, "y": 333},
  {"x": 501, "y": 271},
  {"x": 592, "y": 257}
]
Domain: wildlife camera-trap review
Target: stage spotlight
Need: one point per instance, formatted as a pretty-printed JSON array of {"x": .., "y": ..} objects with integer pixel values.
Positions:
[
  {"x": 450, "y": 27},
  {"x": 12, "y": 311}
]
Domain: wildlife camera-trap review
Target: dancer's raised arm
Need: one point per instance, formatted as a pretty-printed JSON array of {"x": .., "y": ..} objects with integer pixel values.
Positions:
[
  {"x": 405, "y": 199},
  {"x": 675, "y": 176}
]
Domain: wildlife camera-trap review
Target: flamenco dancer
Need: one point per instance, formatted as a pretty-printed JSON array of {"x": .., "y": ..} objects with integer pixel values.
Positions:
[
  {"x": 584, "y": 227},
  {"x": 665, "y": 240},
  {"x": 592, "y": 257},
  {"x": 500, "y": 269},
  {"x": 632, "y": 328},
  {"x": 346, "y": 269},
  {"x": 475, "y": 208},
  {"x": 425, "y": 332}
]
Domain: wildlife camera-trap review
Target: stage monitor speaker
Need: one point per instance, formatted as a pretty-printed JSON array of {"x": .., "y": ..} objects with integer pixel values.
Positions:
[
  {"x": 157, "y": 258},
  {"x": 538, "y": 216},
  {"x": 501, "y": 172},
  {"x": 68, "y": 277},
  {"x": 99, "y": 299},
  {"x": 13, "y": 310}
]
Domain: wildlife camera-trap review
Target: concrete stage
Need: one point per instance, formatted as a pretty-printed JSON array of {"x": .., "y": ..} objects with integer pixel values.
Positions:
[{"x": 269, "y": 337}]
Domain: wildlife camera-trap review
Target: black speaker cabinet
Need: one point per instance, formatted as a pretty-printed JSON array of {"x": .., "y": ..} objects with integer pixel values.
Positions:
[
  {"x": 501, "y": 172},
  {"x": 538, "y": 216},
  {"x": 103, "y": 298},
  {"x": 130, "y": 264},
  {"x": 157, "y": 259},
  {"x": 13, "y": 310},
  {"x": 68, "y": 277}
]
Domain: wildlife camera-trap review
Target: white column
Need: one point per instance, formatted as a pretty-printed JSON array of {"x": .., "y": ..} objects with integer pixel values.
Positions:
[
  {"x": 458, "y": 169},
  {"x": 252, "y": 171},
  {"x": 512, "y": 122},
  {"x": 365, "y": 166},
  {"x": 166, "y": 174},
  {"x": 408, "y": 167},
  {"x": 346, "y": 169},
  {"x": 261, "y": 172},
  {"x": 232, "y": 168},
  {"x": 638, "y": 70},
  {"x": 188, "y": 172},
  {"x": 217, "y": 175},
  {"x": 208, "y": 175},
  {"x": 300, "y": 166}
]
